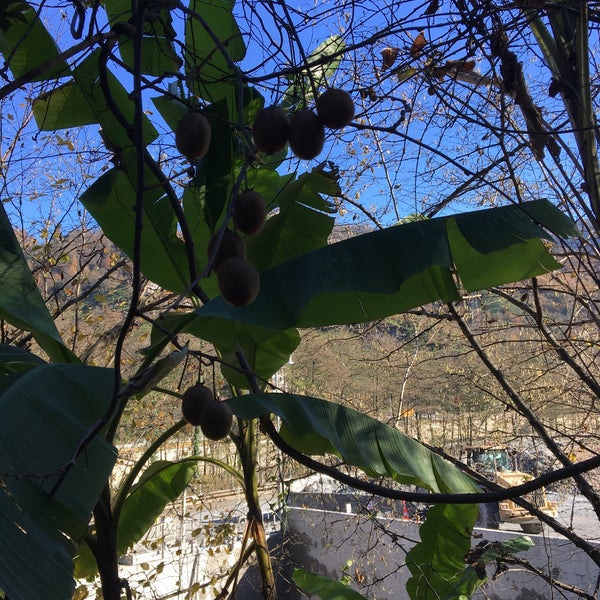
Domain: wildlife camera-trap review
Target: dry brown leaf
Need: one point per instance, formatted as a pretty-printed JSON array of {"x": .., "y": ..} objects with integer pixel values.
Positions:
[
  {"x": 468, "y": 66},
  {"x": 418, "y": 44}
]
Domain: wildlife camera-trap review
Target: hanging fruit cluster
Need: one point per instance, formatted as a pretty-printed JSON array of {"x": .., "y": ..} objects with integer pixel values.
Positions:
[
  {"x": 272, "y": 130},
  {"x": 237, "y": 278},
  {"x": 304, "y": 131},
  {"x": 200, "y": 408}
]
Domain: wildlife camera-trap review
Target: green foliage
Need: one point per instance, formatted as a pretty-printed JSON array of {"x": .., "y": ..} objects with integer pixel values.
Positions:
[
  {"x": 56, "y": 405},
  {"x": 378, "y": 274},
  {"x": 62, "y": 107},
  {"x": 15, "y": 360},
  {"x": 158, "y": 55},
  {"x": 115, "y": 135},
  {"x": 322, "y": 63},
  {"x": 20, "y": 301},
  {"x": 314, "y": 426},
  {"x": 111, "y": 198},
  {"x": 160, "y": 484},
  {"x": 217, "y": 172},
  {"x": 304, "y": 282},
  {"x": 304, "y": 221},
  {"x": 146, "y": 379},
  {"x": 19, "y": 24},
  {"x": 30, "y": 547},
  {"x": 443, "y": 565},
  {"x": 489, "y": 553},
  {"x": 324, "y": 587},
  {"x": 46, "y": 411},
  {"x": 437, "y": 564},
  {"x": 566, "y": 49},
  {"x": 267, "y": 350},
  {"x": 213, "y": 42}
]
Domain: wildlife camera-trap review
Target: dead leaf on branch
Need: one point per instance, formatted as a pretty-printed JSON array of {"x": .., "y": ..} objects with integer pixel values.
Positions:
[
  {"x": 368, "y": 93},
  {"x": 418, "y": 44}
]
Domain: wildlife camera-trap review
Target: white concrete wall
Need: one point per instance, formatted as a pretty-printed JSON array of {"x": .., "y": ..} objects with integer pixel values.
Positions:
[{"x": 324, "y": 541}]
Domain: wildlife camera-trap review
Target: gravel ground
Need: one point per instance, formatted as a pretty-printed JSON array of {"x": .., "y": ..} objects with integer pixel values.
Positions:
[{"x": 577, "y": 513}]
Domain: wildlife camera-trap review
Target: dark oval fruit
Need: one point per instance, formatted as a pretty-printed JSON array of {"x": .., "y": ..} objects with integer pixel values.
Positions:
[
  {"x": 306, "y": 134},
  {"x": 239, "y": 281},
  {"x": 194, "y": 400},
  {"x": 192, "y": 135},
  {"x": 335, "y": 108},
  {"x": 216, "y": 420},
  {"x": 250, "y": 212},
  {"x": 270, "y": 130},
  {"x": 231, "y": 245}
]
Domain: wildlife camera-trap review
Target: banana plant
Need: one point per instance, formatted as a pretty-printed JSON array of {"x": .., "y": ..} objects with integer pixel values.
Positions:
[{"x": 54, "y": 481}]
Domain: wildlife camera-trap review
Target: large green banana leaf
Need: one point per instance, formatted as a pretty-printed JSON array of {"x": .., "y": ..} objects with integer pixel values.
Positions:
[
  {"x": 437, "y": 564},
  {"x": 158, "y": 54},
  {"x": 41, "y": 521},
  {"x": 209, "y": 73},
  {"x": 111, "y": 200},
  {"x": 441, "y": 566},
  {"x": 328, "y": 57},
  {"x": 386, "y": 272},
  {"x": 266, "y": 350},
  {"x": 316, "y": 427},
  {"x": 28, "y": 549},
  {"x": 62, "y": 107},
  {"x": 26, "y": 44},
  {"x": 370, "y": 276},
  {"x": 113, "y": 132},
  {"x": 304, "y": 220},
  {"x": 160, "y": 484},
  {"x": 14, "y": 360}
]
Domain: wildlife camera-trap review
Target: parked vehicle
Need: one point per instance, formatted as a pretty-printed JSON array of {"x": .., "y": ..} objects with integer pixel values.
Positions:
[{"x": 497, "y": 464}]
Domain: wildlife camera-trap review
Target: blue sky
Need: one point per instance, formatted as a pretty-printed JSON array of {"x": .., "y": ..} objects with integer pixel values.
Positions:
[{"x": 425, "y": 158}]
